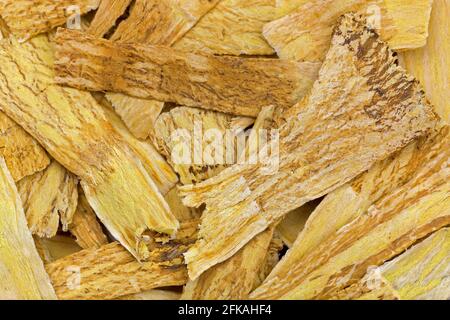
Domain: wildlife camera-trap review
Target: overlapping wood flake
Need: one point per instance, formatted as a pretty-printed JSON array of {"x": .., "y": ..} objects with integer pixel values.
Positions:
[
  {"x": 27, "y": 18},
  {"x": 22, "y": 273},
  {"x": 82, "y": 139},
  {"x": 381, "y": 110},
  {"x": 305, "y": 34}
]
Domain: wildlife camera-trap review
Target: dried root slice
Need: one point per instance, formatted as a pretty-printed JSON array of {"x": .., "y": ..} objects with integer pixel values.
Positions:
[
  {"x": 156, "y": 294},
  {"x": 27, "y": 18},
  {"x": 395, "y": 222},
  {"x": 380, "y": 110},
  {"x": 234, "y": 278},
  {"x": 48, "y": 197},
  {"x": 420, "y": 273},
  {"x": 84, "y": 142},
  {"x": 55, "y": 248},
  {"x": 234, "y": 85},
  {"x": 139, "y": 115},
  {"x": 23, "y": 155},
  {"x": 431, "y": 64},
  {"x": 156, "y": 166},
  {"x": 85, "y": 227},
  {"x": 110, "y": 271},
  {"x": 305, "y": 34},
  {"x": 106, "y": 16},
  {"x": 188, "y": 137},
  {"x": 22, "y": 273}
]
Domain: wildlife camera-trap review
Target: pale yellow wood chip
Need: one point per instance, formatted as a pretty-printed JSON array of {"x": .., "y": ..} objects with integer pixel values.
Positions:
[
  {"x": 431, "y": 64},
  {"x": 106, "y": 16},
  {"x": 55, "y": 248},
  {"x": 74, "y": 129},
  {"x": 228, "y": 84},
  {"x": 48, "y": 197},
  {"x": 85, "y": 227},
  {"x": 110, "y": 271},
  {"x": 234, "y": 27},
  {"x": 23, "y": 155},
  {"x": 22, "y": 273},
  {"x": 380, "y": 110},
  {"x": 387, "y": 228},
  {"x": 305, "y": 34},
  {"x": 27, "y": 18}
]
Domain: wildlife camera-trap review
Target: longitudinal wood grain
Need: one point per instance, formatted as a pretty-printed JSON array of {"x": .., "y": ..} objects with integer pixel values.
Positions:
[
  {"x": 23, "y": 154},
  {"x": 305, "y": 34},
  {"x": 27, "y": 18},
  {"x": 22, "y": 273},
  {"x": 106, "y": 16},
  {"x": 363, "y": 108},
  {"x": 73, "y": 128},
  {"x": 228, "y": 84}
]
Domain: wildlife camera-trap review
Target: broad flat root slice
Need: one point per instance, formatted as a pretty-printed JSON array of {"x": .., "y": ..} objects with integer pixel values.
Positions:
[
  {"x": 48, "y": 197},
  {"x": 107, "y": 14},
  {"x": 233, "y": 85},
  {"x": 22, "y": 273},
  {"x": 23, "y": 154},
  {"x": 363, "y": 107},
  {"x": 305, "y": 34},
  {"x": 27, "y": 18},
  {"x": 83, "y": 141}
]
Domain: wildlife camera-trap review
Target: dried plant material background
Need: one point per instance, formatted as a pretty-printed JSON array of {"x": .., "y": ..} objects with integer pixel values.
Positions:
[{"x": 349, "y": 99}]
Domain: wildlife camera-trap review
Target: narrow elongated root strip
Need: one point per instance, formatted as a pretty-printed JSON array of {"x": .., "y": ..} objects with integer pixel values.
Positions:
[
  {"x": 83, "y": 141},
  {"x": 106, "y": 16},
  {"x": 47, "y": 197},
  {"x": 420, "y": 273},
  {"x": 85, "y": 227},
  {"x": 23, "y": 155},
  {"x": 22, "y": 274},
  {"x": 431, "y": 64},
  {"x": 395, "y": 222},
  {"x": 194, "y": 142},
  {"x": 234, "y": 278},
  {"x": 228, "y": 84},
  {"x": 110, "y": 271},
  {"x": 55, "y": 248},
  {"x": 305, "y": 34},
  {"x": 380, "y": 110},
  {"x": 156, "y": 166},
  {"x": 27, "y": 18}
]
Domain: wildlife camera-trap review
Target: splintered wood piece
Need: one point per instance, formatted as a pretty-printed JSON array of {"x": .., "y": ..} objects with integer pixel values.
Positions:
[
  {"x": 83, "y": 141},
  {"x": 139, "y": 115},
  {"x": 186, "y": 136},
  {"x": 420, "y": 273},
  {"x": 153, "y": 22},
  {"x": 85, "y": 227},
  {"x": 48, "y": 197},
  {"x": 106, "y": 16},
  {"x": 431, "y": 64},
  {"x": 305, "y": 34},
  {"x": 55, "y": 248},
  {"x": 387, "y": 228},
  {"x": 23, "y": 155},
  {"x": 110, "y": 271},
  {"x": 156, "y": 294},
  {"x": 27, "y": 18},
  {"x": 22, "y": 273},
  {"x": 234, "y": 278},
  {"x": 156, "y": 166},
  {"x": 228, "y": 84},
  {"x": 363, "y": 107}
]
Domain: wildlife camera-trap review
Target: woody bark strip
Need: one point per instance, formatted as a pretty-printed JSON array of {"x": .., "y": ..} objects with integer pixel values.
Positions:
[
  {"x": 380, "y": 110},
  {"x": 305, "y": 34},
  {"x": 228, "y": 84},
  {"x": 23, "y": 154},
  {"x": 106, "y": 16},
  {"x": 27, "y": 18},
  {"x": 22, "y": 273},
  {"x": 82, "y": 139},
  {"x": 389, "y": 227}
]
